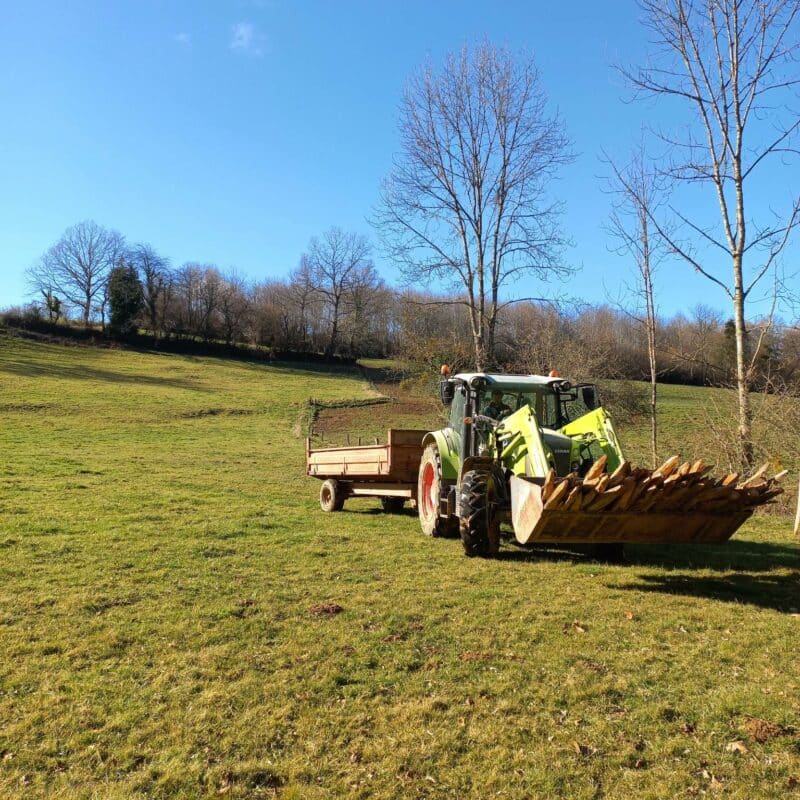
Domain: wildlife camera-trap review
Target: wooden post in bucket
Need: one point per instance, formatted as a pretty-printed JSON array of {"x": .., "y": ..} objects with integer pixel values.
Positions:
[{"x": 797, "y": 516}]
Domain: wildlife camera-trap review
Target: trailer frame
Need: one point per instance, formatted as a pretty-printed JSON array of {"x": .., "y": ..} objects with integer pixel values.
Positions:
[{"x": 387, "y": 470}]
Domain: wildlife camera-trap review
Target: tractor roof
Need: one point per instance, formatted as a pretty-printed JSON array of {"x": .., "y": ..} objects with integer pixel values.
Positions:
[{"x": 510, "y": 382}]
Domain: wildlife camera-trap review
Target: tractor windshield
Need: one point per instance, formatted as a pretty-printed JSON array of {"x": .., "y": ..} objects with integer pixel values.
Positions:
[
  {"x": 498, "y": 405},
  {"x": 578, "y": 401}
]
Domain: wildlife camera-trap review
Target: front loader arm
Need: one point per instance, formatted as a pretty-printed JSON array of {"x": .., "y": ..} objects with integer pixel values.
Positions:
[
  {"x": 595, "y": 426},
  {"x": 520, "y": 443}
]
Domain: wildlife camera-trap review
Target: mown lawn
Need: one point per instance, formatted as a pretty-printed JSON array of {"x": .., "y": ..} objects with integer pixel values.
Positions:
[{"x": 165, "y": 574}]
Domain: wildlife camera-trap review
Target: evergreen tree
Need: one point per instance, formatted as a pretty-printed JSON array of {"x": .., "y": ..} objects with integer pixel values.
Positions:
[{"x": 125, "y": 299}]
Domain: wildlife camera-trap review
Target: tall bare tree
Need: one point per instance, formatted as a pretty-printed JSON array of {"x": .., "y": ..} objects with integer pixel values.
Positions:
[
  {"x": 234, "y": 307},
  {"x": 733, "y": 64},
  {"x": 77, "y": 266},
  {"x": 303, "y": 300},
  {"x": 336, "y": 262},
  {"x": 156, "y": 277},
  {"x": 636, "y": 198},
  {"x": 468, "y": 199}
]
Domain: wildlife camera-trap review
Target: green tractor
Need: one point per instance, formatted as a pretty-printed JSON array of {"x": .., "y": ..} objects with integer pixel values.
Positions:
[
  {"x": 541, "y": 454},
  {"x": 501, "y": 427}
]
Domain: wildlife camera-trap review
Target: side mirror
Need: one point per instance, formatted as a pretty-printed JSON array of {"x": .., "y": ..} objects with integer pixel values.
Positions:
[
  {"x": 447, "y": 390},
  {"x": 589, "y": 397}
]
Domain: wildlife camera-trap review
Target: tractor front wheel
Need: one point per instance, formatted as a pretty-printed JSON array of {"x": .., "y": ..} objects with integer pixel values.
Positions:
[{"x": 480, "y": 529}]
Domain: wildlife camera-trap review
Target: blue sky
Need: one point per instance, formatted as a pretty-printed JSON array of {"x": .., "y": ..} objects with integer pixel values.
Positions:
[{"x": 231, "y": 132}]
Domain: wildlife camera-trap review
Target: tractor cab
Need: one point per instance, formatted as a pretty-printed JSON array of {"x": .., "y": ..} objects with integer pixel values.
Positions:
[{"x": 550, "y": 403}]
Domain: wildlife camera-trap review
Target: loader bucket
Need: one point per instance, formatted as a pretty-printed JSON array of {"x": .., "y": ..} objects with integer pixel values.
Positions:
[{"x": 536, "y": 524}]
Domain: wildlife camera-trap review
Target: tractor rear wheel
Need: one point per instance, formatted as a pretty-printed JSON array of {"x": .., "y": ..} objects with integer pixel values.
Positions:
[
  {"x": 429, "y": 492},
  {"x": 331, "y": 496},
  {"x": 393, "y": 505},
  {"x": 480, "y": 529}
]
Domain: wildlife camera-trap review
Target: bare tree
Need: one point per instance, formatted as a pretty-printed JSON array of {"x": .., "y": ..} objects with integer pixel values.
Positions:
[
  {"x": 209, "y": 296},
  {"x": 303, "y": 299},
  {"x": 733, "y": 64},
  {"x": 234, "y": 307},
  {"x": 77, "y": 266},
  {"x": 362, "y": 305},
  {"x": 188, "y": 308},
  {"x": 42, "y": 281},
  {"x": 637, "y": 196},
  {"x": 467, "y": 200},
  {"x": 156, "y": 277},
  {"x": 334, "y": 263}
]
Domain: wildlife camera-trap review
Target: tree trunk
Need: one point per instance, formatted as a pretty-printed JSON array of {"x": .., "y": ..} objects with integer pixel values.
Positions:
[
  {"x": 331, "y": 348},
  {"x": 480, "y": 356},
  {"x": 742, "y": 377},
  {"x": 651, "y": 347},
  {"x": 653, "y": 408},
  {"x": 650, "y": 323}
]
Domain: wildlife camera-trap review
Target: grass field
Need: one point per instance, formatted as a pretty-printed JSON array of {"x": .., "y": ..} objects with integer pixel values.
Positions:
[{"x": 178, "y": 618}]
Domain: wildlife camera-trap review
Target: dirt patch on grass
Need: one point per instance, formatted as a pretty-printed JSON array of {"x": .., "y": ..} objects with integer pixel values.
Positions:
[
  {"x": 26, "y": 407},
  {"x": 325, "y": 609},
  {"x": 217, "y": 412},
  {"x": 473, "y": 655},
  {"x": 404, "y": 406},
  {"x": 763, "y": 730}
]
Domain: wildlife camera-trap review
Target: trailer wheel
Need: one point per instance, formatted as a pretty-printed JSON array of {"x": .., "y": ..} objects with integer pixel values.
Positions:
[
  {"x": 429, "y": 490},
  {"x": 331, "y": 496},
  {"x": 393, "y": 505},
  {"x": 480, "y": 530}
]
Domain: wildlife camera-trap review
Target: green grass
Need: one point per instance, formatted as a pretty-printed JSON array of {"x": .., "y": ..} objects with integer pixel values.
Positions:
[{"x": 160, "y": 554}]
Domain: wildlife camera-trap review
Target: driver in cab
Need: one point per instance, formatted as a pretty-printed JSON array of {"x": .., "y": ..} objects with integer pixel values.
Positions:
[{"x": 497, "y": 409}]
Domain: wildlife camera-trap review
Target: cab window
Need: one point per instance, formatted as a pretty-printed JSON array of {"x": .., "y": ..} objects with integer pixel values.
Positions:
[
  {"x": 543, "y": 404},
  {"x": 457, "y": 410},
  {"x": 579, "y": 401}
]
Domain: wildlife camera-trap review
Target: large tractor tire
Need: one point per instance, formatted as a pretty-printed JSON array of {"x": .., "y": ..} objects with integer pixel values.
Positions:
[
  {"x": 429, "y": 491},
  {"x": 480, "y": 530},
  {"x": 393, "y": 505},
  {"x": 331, "y": 496}
]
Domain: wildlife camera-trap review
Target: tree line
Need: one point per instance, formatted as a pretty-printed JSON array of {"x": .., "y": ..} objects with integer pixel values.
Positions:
[{"x": 335, "y": 303}]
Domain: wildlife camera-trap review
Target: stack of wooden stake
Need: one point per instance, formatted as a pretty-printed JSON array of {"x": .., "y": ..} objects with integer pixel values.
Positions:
[{"x": 673, "y": 487}]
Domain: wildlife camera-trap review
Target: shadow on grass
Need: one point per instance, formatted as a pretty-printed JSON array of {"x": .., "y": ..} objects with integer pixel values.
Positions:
[
  {"x": 778, "y": 592},
  {"x": 83, "y": 372},
  {"x": 409, "y": 513},
  {"x": 746, "y": 571},
  {"x": 382, "y": 374},
  {"x": 735, "y": 555}
]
